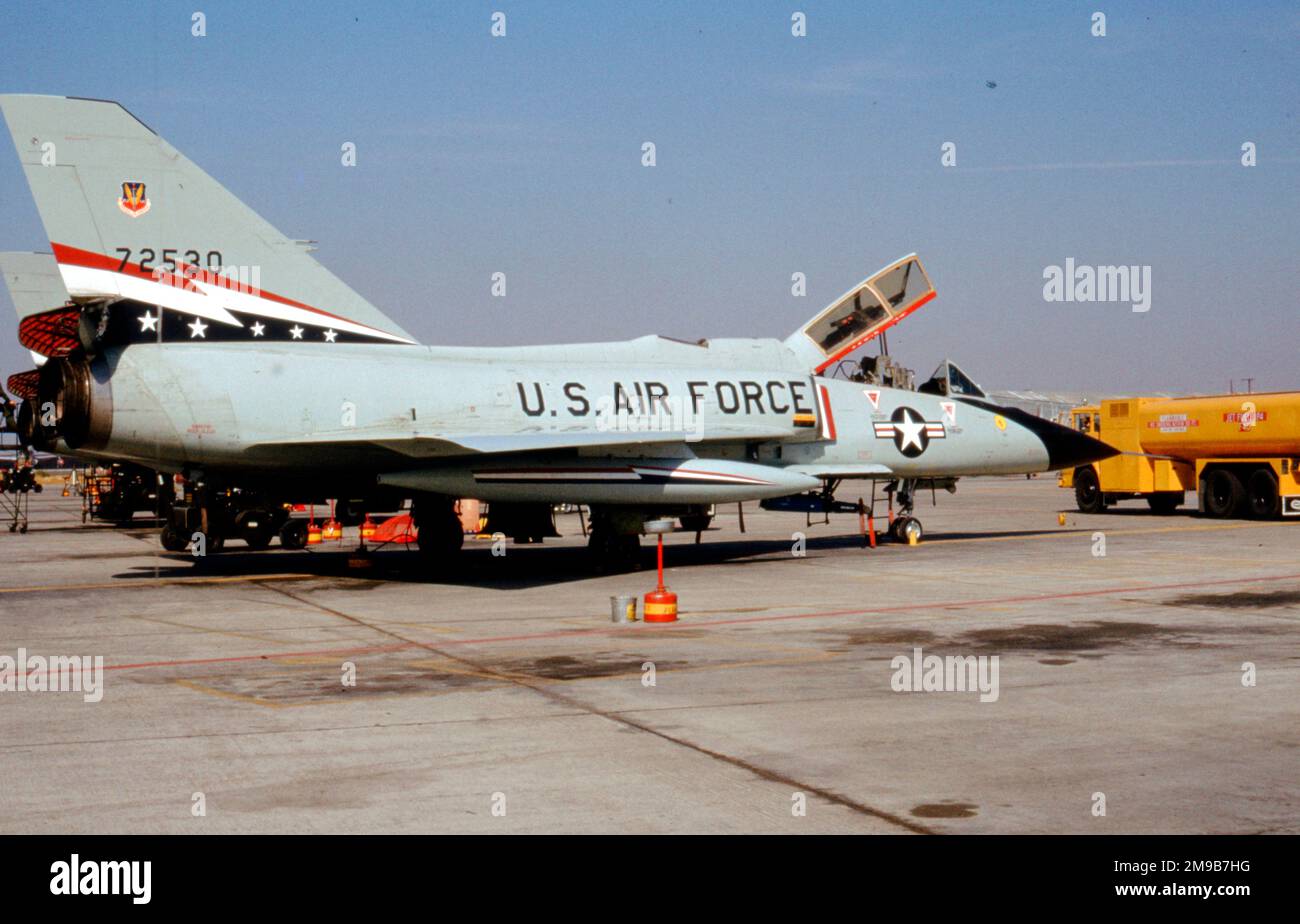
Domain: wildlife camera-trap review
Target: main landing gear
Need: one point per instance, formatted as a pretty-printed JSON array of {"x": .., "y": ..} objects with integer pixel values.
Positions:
[
  {"x": 614, "y": 541},
  {"x": 440, "y": 534}
]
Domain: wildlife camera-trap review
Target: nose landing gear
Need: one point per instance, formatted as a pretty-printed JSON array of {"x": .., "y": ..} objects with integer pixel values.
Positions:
[{"x": 906, "y": 527}]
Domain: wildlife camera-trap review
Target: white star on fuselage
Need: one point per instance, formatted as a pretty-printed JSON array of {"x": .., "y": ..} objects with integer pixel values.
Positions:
[
  {"x": 197, "y": 329},
  {"x": 330, "y": 335},
  {"x": 258, "y": 329},
  {"x": 147, "y": 322},
  {"x": 296, "y": 332},
  {"x": 910, "y": 430}
]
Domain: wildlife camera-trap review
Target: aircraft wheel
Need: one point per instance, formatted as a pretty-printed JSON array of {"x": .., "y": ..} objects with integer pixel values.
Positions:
[
  {"x": 907, "y": 527},
  {"x": 896, "y": 528},
  {"x": 1088, "y": 496},
  {"x": 1262, "y": 495},
  {"x": 441, "y": 537},
  {"x": 696, "y": 522},
  {"x": 293, "y": 535},
  {"x": 612, "y": 552},
  {"x": 1224, "y": 493},
  {"x": 1165, "y": 502},
  {"x": 438, "y": 530}
]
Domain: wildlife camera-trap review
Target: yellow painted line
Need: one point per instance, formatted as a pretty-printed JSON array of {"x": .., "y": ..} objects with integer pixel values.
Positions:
[
  {"x": 728, "y": 641},
  {"x": 1220, "y": 560},
  {"x": 683, "y": 669},
  {"x": 1075, "y": 533},
  {"x": 498, "y": 677},
  {"x": 226, "y": 632},
  {"x": 128, "y": 583},
  {"x": 764, "y": 662},
  {"x": 224, "y": 694}
]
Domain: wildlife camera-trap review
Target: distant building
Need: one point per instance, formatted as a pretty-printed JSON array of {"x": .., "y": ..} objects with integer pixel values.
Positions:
[{"x": 1054, "y": 405}]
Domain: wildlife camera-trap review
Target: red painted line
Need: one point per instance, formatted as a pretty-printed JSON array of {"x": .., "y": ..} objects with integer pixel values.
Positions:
[
  {"x": 826, "y": 404},
  {"x": 181, "y": 278},
  {"x": 739, "y": 620},
  {"x": 622, "y": 469},
  {"x": 698, "y": 471},
  {"x": 559, "y": 473}
]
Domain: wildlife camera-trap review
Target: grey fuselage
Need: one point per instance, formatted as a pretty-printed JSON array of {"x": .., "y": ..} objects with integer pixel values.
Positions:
[{"x": 437, "y": 418}]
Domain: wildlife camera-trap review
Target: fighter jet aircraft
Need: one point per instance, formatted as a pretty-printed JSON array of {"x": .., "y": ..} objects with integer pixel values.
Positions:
[{"x": 207, "y": 343}]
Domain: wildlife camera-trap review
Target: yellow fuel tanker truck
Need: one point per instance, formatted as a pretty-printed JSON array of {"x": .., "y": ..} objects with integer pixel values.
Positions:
[{"x": 1239, "y": 453}]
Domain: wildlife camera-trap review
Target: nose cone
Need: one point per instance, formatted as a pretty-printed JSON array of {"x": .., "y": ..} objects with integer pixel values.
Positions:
[{"x": 1066, "y": 448}]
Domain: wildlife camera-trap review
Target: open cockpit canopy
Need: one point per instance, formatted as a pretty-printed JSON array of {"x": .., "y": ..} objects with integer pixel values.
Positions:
[{"x": 875, "y": 304}]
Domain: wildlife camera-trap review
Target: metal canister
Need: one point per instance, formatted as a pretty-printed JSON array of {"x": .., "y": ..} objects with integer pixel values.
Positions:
[{"x": 623, "y": 608}]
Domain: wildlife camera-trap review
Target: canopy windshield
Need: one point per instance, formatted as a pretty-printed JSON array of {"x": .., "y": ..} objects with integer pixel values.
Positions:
[{"x": 949, "y": 380}]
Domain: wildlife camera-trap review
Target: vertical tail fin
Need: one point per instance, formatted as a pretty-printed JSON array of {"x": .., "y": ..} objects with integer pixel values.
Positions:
[
  {"x": 33, "y": 281},
  {"x": 129, "y": 216}
]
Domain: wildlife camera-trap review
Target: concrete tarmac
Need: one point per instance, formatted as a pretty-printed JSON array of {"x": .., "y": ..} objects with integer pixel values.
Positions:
[{"x": 499, "y": 697}]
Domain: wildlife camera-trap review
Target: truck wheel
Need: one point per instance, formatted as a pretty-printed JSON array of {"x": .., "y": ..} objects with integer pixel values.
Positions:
[
  {"x": 1165, "y": 502},
  {"x": 1262, "y": 496},
  {"x": 256, "y": 528},
  {"x": 1224, "y": 494},
  {"x": 258, "y": 539},
  {"x": 1087, "y": 491},
  {"x": 172, "y": 540},
  {"x": 293, "y": 535}
]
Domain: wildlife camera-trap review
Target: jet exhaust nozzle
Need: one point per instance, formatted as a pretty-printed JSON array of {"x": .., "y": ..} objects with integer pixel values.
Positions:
[
  {"x": 73, "y": 402},
  {"x": 29, "y": 434}
]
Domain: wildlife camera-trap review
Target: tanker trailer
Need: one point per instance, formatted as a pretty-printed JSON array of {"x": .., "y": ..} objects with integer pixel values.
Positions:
[{"x": 1239, "y": 453}]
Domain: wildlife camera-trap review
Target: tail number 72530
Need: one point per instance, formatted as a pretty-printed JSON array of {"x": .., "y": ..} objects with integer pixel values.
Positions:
[{"x": 169, "y": 259}]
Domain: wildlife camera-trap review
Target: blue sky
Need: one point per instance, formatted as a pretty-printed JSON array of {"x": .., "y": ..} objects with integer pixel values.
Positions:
[{"x": 776, "y": 155}]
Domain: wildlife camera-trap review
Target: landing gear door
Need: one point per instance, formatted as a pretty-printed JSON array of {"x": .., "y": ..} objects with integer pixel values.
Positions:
[{"x": 875, "y": 304}]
